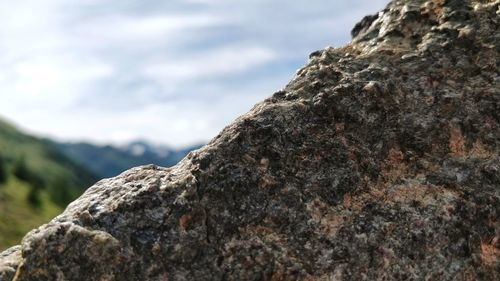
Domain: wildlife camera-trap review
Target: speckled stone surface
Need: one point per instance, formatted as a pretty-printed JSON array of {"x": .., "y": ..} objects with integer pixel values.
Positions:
[{"x": 378, "y": 161}]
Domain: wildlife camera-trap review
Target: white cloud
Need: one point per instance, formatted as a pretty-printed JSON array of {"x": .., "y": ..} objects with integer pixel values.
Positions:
[
  {"x": 173, "y": 71},
  {"x": 120, "y": 29},
  {"x": 211, "y": 64},
  {"x": 49, "y": 81}
]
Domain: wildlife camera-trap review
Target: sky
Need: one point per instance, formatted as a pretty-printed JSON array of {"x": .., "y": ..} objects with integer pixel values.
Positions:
[{"x": 171, "y": 72}]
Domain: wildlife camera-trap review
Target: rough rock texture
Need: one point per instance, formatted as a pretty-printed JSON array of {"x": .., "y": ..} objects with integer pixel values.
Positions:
[
  {"x": 9, "y": 260},
  {"x": 378, "y": 161}
]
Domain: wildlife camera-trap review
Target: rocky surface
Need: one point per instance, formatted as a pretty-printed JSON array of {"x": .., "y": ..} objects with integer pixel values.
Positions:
[
  {"x": 378, "y": 161},
  {"x": 9, "y": 261}
]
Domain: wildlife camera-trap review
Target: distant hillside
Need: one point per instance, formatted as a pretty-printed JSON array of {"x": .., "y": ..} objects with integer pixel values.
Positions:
[
  {"x": 38, "y": 177},
  {"x": 108, "y": 161},
  {"x": 36, "y": 182}
]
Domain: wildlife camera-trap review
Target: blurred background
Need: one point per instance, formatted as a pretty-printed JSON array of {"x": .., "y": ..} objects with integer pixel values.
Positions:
[{"x": 91, "y": 88}]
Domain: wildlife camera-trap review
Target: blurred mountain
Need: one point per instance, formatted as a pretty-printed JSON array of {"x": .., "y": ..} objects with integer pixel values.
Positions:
[
  {"x": 36, "y": 182},
  {"x": 108, "y": 161},
  {"x": 39, "y": 177}
]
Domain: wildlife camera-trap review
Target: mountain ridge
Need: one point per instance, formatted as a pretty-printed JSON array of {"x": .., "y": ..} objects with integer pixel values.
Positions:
[
  {"x": 39, "y": 182},
  {"x": 111, "y": 160},
  {"x": 54, "y": 176}
]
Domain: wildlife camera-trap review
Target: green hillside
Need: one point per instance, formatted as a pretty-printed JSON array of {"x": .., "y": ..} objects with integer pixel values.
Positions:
[{"x": 36, "y": 183}]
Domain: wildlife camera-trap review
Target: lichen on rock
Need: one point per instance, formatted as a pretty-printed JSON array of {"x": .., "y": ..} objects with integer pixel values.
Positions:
[{"x": 378, "y": 161}]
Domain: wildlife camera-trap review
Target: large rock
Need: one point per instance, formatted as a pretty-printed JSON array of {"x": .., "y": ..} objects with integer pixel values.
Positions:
[{"x": 378, "y": 161}]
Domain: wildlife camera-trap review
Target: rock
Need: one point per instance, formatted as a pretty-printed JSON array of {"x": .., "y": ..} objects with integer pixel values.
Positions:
[
  {"x": 378, "y": 161},
  {"x": 9, "y": 261}
]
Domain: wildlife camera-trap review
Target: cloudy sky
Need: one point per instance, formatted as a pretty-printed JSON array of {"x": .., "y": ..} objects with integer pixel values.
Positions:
[{"x": 173, "y": 72}]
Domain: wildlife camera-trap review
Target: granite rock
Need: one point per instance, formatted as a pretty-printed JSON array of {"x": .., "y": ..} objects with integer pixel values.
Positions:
[{"x": 378, "y": 161}]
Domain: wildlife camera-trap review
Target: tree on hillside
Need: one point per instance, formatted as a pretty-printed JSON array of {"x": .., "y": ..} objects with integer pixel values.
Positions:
[
  {"x": 3, "y": 171},
  {"x": 34, "y": 197},
  {"x": 36, "y": 183},
  {"x": 21, "y": 170},
  {"x": 60, "y": 193}
]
